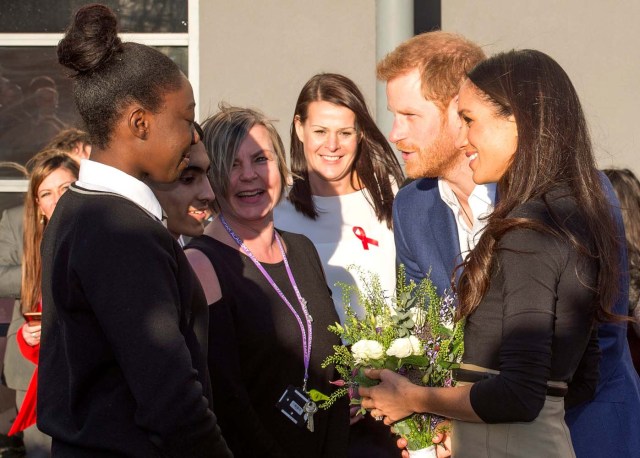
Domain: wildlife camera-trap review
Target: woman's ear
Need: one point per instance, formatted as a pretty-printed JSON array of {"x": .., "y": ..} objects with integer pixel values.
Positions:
[
  {"x": 299, "y": 128},
  {"x": 138, "y": 122}
]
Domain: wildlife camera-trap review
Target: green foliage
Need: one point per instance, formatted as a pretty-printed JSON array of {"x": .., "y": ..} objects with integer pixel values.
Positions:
[
  {"x": 337, "y": 394},
  {"x": 416, "y": 311},
  {"x": 412, "y": 429}
]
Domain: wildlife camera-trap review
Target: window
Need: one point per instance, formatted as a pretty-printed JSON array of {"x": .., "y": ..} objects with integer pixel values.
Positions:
[{"x": 35, "y": 95}]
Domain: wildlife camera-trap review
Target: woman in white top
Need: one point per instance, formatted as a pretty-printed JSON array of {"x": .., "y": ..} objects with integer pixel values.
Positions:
[{"x": 345, "y": 176}]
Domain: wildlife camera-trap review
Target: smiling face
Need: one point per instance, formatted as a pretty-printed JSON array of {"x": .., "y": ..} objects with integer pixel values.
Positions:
[
  {"x": 420, "y": 131},
  {"x": 186, "y": 201},
  {"x": 171, "y": 134},
  {"x": 487, "y": 139},
  {"x": 255, "y": 184},
  {"x": 52, "y": 188},
  {"x": 330, "y": 141}
]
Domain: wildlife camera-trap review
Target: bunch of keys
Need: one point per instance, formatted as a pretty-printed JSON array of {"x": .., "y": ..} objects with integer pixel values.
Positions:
[{"x": 310, "y": 408}]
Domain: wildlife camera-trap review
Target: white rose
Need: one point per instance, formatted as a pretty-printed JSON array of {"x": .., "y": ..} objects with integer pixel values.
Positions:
[
  {"x": 406, "y": 346},
  {"x": 364, "y": 350},
  {"x": 416, "y": 346}
]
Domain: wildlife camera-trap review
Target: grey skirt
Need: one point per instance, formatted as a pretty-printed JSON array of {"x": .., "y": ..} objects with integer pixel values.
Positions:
[{"x": 545, "y": 437}]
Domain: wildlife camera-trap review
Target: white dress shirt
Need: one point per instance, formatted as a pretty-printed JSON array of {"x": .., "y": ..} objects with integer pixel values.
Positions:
[{"x": 481, "y": 201}]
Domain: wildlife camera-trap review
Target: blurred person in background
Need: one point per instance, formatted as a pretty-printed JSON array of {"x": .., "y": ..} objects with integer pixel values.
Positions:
[
  {"x": 52, "y": 172},
  {"x": 72, "y": 141},
  {"x": 627, "y": 188}
]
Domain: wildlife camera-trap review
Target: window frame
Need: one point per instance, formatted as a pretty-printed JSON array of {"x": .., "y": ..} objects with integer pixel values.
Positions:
[{"x": 189, "y": 39}]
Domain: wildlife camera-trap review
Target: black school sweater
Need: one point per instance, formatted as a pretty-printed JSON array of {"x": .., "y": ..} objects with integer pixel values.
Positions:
[{"x": 121, "y": 371}]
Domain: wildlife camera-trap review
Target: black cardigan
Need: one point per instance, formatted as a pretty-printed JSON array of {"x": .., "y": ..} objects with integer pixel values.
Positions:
[
  {"x": 121, "y": 370},
  {"x": 535, "y": 322}
]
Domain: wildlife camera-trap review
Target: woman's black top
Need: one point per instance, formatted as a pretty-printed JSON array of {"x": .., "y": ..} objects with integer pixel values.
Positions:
[
  {"x": 255, "y": 352},
  {"x": 534, "y": 324}
]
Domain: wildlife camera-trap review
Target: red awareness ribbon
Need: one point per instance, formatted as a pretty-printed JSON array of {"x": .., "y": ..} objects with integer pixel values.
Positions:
[{"x": 359, "y": 232}]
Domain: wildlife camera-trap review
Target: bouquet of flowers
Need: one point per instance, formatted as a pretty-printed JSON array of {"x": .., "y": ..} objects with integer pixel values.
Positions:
[{"x": 413, "y": 333}]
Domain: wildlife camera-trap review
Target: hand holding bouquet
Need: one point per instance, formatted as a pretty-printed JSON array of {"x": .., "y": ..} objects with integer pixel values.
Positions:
[{"x": 413, "y": 334}]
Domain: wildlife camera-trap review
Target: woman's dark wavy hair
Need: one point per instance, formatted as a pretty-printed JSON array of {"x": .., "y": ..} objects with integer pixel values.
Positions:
[
  {"x": 110, "y": 74},
  {"x": 554, "y": 149},
  {"x": 375, "y": 161},
  {"x": 627, "y": 189}
]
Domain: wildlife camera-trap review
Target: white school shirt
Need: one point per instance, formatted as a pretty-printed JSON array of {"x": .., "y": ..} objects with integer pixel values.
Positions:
[{"x": 100, "y": 177}]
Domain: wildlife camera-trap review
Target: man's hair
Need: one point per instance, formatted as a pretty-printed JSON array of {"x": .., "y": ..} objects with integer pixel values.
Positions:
[{"x": 443, "y": 60}]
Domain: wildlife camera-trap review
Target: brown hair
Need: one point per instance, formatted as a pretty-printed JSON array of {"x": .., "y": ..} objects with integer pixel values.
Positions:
[
  {"x": 554, "y": 149},
  {"x": 443, "y": 60},
  {"x": 375, "y": 161},
  {"x": 66, "y": 140},
  {"x": 40, "y": 166},
  {"x": 627, "y": 188}
]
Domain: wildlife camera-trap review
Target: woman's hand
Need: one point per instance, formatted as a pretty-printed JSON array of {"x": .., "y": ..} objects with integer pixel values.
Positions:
[
  {"x": 391, "y": 399},
  {"x": 31, "y": 333},
  {"x": 442, "y": 437}
]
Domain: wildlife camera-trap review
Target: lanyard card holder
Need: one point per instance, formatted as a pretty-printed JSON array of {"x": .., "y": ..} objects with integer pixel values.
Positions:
[{"x": 292, "y": 403}]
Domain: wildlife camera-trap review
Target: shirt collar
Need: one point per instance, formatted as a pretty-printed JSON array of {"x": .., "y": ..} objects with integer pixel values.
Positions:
[
  {"x": 484, "y": 195},
  {"x": 100, "y": 177}
]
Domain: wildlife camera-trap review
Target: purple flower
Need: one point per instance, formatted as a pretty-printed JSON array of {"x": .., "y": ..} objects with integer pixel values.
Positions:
[{"x": 435, "y": 420}]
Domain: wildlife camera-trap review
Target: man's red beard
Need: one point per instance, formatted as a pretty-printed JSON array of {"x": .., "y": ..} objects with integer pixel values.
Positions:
[{"x": 432, "y": 161}]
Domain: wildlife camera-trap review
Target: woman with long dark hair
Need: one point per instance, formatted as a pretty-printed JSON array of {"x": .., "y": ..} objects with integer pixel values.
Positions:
[
  {"x": 543, "y": 272},
  {"x": 345, "y": 176}
]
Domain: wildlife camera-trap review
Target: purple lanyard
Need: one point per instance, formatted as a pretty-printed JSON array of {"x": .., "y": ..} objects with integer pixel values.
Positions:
[{"x": 306, "y": 342}]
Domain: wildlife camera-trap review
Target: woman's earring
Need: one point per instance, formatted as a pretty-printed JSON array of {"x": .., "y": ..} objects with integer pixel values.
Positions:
[{"x": 42, "y": 219}]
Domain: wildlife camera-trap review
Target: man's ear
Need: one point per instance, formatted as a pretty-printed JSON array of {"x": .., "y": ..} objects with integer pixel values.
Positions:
[{"x": 138, "y": 122}]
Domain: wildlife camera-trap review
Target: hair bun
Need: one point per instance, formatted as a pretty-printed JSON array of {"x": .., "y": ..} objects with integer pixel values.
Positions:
[{"x": 91, "y": 39}]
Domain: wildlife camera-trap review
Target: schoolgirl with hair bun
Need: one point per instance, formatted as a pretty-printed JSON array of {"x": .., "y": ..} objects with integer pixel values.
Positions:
[{"x": 123, "y": 362}]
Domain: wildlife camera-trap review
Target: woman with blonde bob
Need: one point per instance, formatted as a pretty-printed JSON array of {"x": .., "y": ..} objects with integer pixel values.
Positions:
[
  {"x": 269, "y": 302},
  {"x": 543, "y": 272},
  {"x": 51, "y": 174}
]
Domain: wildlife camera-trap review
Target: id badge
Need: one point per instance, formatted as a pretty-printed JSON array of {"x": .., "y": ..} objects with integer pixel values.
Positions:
[{"x": 292, "y": 405}]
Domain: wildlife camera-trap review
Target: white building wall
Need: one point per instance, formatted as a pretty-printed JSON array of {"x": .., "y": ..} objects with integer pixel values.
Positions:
[
  {"x": 596, "y": 42},
  {"x": 260, "y": 53}
]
